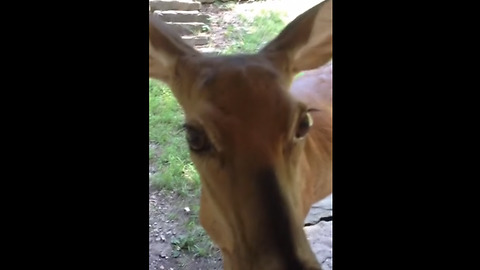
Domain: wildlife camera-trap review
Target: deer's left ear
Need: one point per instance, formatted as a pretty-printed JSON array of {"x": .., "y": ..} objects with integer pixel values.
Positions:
[
  {"x": 306, "y": 41},
  {"x": 165, "y": 47}
]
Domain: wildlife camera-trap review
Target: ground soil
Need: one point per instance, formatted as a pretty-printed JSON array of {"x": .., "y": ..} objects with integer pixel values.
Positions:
[{"x": 163, "y": 206}]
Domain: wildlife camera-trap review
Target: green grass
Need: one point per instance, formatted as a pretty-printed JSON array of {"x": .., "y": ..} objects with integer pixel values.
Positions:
[
  {"x": 175, "y": 171},
  {"x": 254, "y": 33}
]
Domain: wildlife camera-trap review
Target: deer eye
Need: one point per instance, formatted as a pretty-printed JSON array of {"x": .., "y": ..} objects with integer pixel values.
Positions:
[
  {"x": 304, "y": 125},
  {"x": 197, "y": 139}
]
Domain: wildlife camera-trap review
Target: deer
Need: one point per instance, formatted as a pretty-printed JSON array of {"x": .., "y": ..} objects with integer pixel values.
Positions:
[{"x": 259, "y": 138}]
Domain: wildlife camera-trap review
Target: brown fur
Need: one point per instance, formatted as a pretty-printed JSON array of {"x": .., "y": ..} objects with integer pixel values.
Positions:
[{"x": 259, "y": 181}]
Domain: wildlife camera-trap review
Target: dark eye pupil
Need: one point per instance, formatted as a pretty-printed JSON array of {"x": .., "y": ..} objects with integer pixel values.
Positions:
[
  {"x": 303, "y": 126},
  {"x": 196, "y": 139}
]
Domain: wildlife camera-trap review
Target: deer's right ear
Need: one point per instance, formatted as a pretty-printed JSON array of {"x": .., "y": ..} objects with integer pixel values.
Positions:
[
  {"x": 306, "y": 41},
  {"x": 165, "y": 48}
]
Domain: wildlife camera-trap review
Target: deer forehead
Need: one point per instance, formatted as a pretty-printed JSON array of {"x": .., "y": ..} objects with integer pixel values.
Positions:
[{"x": 240, "y": 86}]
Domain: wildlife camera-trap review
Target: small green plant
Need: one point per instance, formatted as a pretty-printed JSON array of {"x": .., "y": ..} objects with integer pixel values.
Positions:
[
  {"x": 195, "y": 240},
  {"x": 205, "y": 28}
]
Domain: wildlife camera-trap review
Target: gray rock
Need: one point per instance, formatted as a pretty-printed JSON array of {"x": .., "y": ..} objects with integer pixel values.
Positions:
[
  {"x": 208, "y": 51},
  {"x": 319, "y": 233},
  {"x": 320, "y": 238},
  {"x": 196, "y": 40},
  {"x": 182, "y": 16},
  {"x": 319, "y": 210},
  {"x": 162, "y": 249},
  {"x": 174, "y": 5},
  {"x": 186, "y": 28}
]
